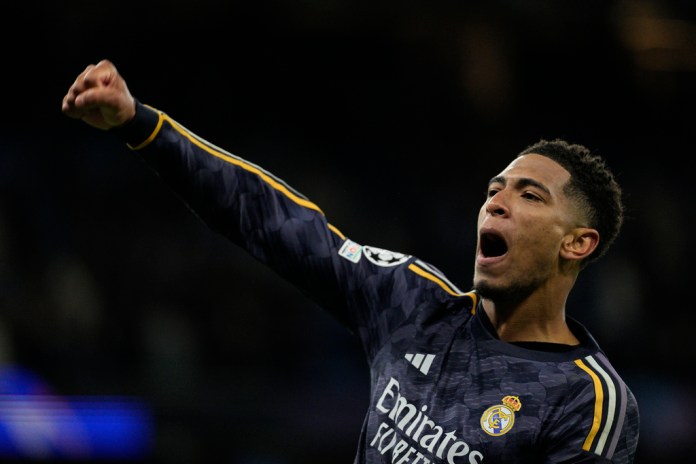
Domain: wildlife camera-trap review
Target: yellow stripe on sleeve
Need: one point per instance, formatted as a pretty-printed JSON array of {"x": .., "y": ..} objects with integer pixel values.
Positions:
[
  {"x": 336, "y": 231},
  {"x": 429, "y": 276},
  {"x": 160, "y": 120},
  {"x": 237, "y": 162},
  {"x": 247, "y": 167},
  {"x": 599, "y": 397}
]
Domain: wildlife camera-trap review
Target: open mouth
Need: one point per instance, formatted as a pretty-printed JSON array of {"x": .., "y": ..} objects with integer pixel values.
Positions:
[{"x": 492, "y": 245}]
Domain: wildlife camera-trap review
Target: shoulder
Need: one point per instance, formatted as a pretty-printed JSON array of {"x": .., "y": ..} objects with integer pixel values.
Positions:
[{"x": 609, "y": 405}]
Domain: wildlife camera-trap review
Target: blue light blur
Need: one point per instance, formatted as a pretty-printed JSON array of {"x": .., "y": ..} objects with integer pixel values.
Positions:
[{"x": 37, "y": 424}]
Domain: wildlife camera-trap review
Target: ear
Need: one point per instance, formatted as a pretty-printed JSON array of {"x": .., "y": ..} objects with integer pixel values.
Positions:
[{"x": 579, "y": 243}]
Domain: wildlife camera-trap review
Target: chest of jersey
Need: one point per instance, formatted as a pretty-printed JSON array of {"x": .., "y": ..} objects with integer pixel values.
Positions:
[{"x": 441, "y": 396}]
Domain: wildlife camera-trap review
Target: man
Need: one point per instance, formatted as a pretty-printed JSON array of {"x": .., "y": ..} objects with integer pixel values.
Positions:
[{"x": 496, "y": 374}]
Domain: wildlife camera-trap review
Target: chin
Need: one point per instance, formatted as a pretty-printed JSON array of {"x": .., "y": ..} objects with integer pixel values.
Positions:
[
  {"x": 503, "y": 292},
  {"x": 485, "y": 288}
]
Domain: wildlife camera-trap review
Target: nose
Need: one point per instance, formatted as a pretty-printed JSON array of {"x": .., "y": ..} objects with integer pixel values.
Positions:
[{"x": 495, "y": 205}]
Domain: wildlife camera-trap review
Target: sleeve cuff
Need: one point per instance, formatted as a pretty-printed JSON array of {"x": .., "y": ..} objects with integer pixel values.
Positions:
[{"x": 137, "y": 130}]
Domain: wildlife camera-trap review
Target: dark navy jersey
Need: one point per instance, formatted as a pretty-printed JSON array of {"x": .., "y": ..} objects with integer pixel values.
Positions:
[{"x": 444, "y": 388}]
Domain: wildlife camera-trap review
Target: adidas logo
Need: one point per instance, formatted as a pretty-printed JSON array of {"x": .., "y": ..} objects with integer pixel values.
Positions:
[{"x": 422, "y": 362}]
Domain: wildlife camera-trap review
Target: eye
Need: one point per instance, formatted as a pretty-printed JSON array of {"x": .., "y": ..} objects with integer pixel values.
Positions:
[
  {"x": 531, "y": 196},
  {"x": 491, "y": 192}
]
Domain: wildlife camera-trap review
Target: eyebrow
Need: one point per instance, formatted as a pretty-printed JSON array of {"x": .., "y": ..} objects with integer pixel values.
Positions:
[{"x": 521, "y": 183}]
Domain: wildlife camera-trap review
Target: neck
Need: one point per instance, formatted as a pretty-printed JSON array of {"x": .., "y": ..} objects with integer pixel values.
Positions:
[{"x": 533, "y": 320}]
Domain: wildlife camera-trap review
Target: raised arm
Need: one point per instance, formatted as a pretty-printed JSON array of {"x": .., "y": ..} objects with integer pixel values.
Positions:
[
  {"x": 242, "y": 201},
  {"x": 369, "y": 289}
]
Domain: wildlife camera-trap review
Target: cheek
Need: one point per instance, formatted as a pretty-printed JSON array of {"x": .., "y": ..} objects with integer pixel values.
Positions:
[
  {"x": 481, "y": 216},
  {"x": 542, "y": 238},
  {"x": 553, "y": 239}
]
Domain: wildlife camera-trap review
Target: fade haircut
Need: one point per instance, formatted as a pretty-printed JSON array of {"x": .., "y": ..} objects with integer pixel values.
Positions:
[{"x": 592, "y": 187}]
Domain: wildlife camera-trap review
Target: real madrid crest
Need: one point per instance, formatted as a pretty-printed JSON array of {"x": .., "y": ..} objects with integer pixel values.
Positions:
[{"x": 498, "y": 420}]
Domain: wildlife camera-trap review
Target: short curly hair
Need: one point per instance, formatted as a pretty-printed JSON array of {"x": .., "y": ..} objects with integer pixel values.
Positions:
[{"x": 592, "y": 186}]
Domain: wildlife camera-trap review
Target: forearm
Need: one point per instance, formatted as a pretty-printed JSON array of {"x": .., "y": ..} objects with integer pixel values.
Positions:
[{"x": 243, "y": 202}]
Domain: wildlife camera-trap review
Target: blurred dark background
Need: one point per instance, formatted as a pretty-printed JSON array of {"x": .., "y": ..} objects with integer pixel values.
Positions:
[{"x": 389, "y": 115}]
